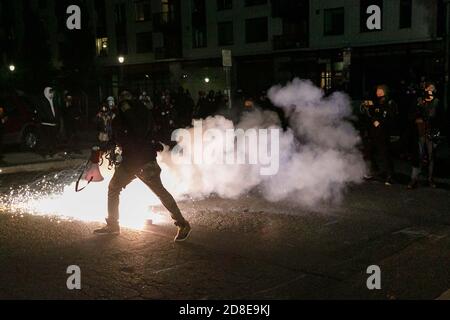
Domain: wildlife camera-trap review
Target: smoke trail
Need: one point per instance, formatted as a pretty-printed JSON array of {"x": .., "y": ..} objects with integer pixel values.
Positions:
[{"x": 318, "y": 156}]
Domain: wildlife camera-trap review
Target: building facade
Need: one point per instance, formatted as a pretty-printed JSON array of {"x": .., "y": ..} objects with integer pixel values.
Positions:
[
  {"x": 168, "y": 43},
  {"x": 407, "y": 44}
]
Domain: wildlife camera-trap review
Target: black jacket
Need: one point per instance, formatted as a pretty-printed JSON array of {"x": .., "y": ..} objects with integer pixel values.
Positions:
[
  {"x": 45, "y": 114},
  {"x": 384, "y": 111},
  {"x": 133, "y": 133}
]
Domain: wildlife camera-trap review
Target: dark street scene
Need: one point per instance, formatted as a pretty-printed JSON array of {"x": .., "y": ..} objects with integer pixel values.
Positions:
[{"x": 224, "y": 150}]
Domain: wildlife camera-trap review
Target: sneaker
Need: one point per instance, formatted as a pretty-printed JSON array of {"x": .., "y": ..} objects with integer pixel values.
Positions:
[
  {"x": 388, "y": 182},
  {"x": 108, "y": 230},
  {"x": 413, "y": 185},
  {"x": 432, "y": 184},
  {"x": 183, "y": 232},
  {"x": 368, "y": 177}
]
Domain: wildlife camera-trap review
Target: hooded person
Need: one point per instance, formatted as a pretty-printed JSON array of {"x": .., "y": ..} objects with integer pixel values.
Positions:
[{"x": 49, "y": 118}]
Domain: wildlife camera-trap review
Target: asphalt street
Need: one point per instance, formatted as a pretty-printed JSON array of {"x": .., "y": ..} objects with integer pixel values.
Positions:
[{"x": 246, "y": 248}]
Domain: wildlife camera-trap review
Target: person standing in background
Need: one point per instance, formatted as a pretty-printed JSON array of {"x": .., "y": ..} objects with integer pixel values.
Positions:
[
  {"x": 380, "y": 114},
  {"x": 71, "y": 116},
  {"x": 49, "y": 117},
  {"x": 425, "y": 120}
]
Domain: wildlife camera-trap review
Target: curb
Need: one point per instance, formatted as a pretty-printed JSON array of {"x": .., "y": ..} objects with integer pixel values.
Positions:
[{"x": 42, "y": 166}]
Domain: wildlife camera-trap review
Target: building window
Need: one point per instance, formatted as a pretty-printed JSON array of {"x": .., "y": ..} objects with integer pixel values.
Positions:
[
  {"x": 143, "y": 10},
  {"x": 225, "y": 33},
  {"x": 334, "y": 21},
  {"x": 256, "y": 30},
  {"x": 199, "y": 39},
  {"x": 364, "y": 16},
  {"x": 165, "y": 6},
  {"x": 144, "y": 42},
  {"x": 199, "y": 34},
  {"x": 102, "y": 47},
  {"x": 249, "y": 3},
  {"x": 405, "y": 14},
  {"x": 326, "y": 80},
  {"x": 224, "y": 4}
]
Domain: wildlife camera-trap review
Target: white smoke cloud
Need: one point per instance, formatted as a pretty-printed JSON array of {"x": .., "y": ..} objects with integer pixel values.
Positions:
[{"x": 318, "y": 155}]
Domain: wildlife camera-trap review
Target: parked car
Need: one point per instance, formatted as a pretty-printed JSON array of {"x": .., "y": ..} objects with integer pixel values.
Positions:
[{"x": 22, "y": 127}]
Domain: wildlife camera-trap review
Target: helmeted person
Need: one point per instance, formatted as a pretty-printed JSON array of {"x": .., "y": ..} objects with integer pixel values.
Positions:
[
  {"x": 49, "y": 117},
  {"x": 133, "y": 133},
  {"x": 426, "y": 129},
  {"x": 380, "y": 115}
]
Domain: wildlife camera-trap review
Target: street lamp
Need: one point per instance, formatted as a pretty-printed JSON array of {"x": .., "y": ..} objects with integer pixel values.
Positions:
[
  {"x": 121, "y": 60},
  {"x": 207, "y": 80},
  {"x": 12, "y": 68}
]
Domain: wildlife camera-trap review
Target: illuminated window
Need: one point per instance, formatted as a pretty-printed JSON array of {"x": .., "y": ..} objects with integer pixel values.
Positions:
[
  {"x": 102, "y": 47},
  {"x": 325, "y": 80}
]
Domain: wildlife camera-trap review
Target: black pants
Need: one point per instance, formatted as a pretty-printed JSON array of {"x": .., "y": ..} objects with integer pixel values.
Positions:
[
  {"x": 71, "y": 131},
  {"x": 379, "y": 152},
  {"x": 49, "y": 139},
  {"x": 150, "y": 175},
  {"x": 423, "y": 157}
]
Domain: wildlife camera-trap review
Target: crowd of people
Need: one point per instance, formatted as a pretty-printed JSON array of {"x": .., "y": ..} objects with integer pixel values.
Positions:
[
  {"x": 177, "y": 109},
  {"x": 416, "y": 117}
]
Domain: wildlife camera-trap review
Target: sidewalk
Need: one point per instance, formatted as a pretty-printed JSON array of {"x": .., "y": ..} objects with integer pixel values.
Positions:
[
  {"x": 31, "y": 162},
  {"x": 16, "y": 161}
]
